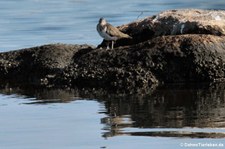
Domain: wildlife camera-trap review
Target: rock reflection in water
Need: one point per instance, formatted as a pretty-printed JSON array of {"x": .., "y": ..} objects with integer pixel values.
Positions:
[
  {"x": 161, "y": 109},
  {"x": 38, "y": 95},
  {"x": 176, "y": 106}
]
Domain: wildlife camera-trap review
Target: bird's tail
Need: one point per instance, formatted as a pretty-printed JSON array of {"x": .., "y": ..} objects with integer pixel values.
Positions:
[{"x": 127, "y": 36}]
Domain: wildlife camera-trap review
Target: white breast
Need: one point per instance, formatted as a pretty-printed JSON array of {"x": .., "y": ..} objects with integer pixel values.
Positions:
[{"x": 104, "y": 35}]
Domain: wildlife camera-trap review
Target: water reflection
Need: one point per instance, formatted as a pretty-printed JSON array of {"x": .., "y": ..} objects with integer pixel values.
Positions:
[
  {"x": 170, "y": 107},
  {"x": 175, "y": 107},
  {"x": 39, "y": 95}
]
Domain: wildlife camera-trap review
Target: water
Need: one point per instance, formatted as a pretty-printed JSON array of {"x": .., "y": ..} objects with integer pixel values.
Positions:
[
  {"x": 167, "y": 117},
  {"x": 30, "y": 23},
  {"x": 177, "y": 116}
]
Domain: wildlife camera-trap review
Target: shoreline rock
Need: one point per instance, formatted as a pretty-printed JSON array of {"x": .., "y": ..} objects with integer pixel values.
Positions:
[
  {"x": 176, "y": 22},
  {"x": 176, "y": 46}
]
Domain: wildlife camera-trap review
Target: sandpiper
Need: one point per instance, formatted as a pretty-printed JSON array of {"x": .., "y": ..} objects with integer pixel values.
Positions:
[{"x": 109, "y": 32}]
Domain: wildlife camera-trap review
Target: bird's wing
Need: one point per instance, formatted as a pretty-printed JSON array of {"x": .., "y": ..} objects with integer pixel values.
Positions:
[{"x": 115, "y": 32}]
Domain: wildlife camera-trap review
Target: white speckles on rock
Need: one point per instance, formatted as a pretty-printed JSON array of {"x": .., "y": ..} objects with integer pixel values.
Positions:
[
  {"x": 218, "y": 18},
  {"x": 182, "y": 21},
  {"x": 156, "y": 18}
]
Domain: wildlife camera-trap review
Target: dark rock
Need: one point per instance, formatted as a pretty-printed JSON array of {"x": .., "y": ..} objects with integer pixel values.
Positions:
[
  {"x": 175, "y": 58},
  {"x": 173, "y": 46},
  {"x": 33, "y": 65}
]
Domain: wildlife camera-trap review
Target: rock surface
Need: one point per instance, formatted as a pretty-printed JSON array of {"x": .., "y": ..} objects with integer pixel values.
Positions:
[
  {"x": 173, "y": 46},
  {"x": 33, "y": 65},
  {"x": 176, "y": 22}
]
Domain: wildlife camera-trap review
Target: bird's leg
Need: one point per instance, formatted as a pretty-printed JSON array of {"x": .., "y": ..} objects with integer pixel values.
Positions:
[
  {"x": 107, "y": 45},
  {"x": 112, "y": 44}
]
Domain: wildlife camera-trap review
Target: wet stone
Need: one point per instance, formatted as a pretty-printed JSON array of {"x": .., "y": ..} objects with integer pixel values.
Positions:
[{"x": 173, "y": 46}]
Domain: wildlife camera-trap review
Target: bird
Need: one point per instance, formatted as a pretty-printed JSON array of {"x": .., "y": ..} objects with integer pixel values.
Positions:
[{"x": 109, "y": 32}]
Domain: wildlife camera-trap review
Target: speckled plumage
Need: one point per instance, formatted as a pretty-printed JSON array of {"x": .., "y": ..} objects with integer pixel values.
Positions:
[{"x": 109, "y": 32}]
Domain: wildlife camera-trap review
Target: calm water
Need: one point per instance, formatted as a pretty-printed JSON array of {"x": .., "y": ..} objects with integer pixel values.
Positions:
[
  {"x": 166, "y": 117},
  {"x": 177, "y": 116},
  {"x": 30, "y": 23}
]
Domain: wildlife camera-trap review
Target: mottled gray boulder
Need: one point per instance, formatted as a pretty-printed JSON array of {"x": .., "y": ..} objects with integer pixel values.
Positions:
[
  {"x": 174, "y": 46},
  {"x": 175, "y": 22}
]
